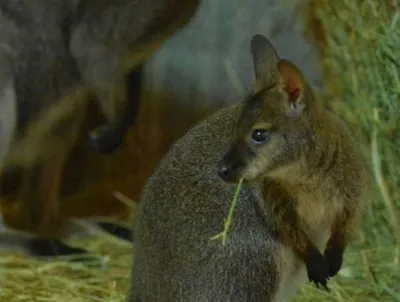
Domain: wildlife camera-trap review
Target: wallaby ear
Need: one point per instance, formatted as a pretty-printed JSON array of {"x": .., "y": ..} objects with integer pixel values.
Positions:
[
  {"x": 265, "y": 61},
  {"x": 293, "y": 83}
]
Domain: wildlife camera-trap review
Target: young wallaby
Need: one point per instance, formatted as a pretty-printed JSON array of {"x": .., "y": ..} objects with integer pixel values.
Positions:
[
  {"x": 186, "y": 201},
  {"x": 304, "y": 158},
  {"x": 58, "y": 55}
]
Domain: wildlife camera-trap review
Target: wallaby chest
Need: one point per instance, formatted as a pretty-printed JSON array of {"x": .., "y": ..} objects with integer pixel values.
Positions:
[{"x": 317, "y": 210}]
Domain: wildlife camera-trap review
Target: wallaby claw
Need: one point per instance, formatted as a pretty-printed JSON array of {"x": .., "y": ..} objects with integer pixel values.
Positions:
[
  {"x": 318, "y": 284},
  {"x": 334, "y": 258},
  {"x": 317, "y": 269}
]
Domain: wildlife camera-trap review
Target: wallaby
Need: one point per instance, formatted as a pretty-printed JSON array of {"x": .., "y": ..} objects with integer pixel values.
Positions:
[
  {"x": 56, "y": 56},
  {"x": 186, "y": 200},
  {"x": 303, "y": 157}
]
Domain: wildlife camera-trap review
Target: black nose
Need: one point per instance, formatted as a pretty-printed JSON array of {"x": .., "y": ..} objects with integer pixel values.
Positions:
[{"x": 223, "y": 171}]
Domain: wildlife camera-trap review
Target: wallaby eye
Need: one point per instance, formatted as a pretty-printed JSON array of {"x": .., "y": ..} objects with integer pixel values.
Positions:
[{"x": 259, "y": 136}]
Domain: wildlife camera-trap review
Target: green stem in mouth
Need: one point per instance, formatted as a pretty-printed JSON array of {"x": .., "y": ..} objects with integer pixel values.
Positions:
[{"x": 228, "y": 222}]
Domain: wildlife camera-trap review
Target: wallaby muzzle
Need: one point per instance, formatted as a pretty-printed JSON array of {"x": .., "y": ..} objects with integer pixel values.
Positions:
[{"x": 231, "y": 166}]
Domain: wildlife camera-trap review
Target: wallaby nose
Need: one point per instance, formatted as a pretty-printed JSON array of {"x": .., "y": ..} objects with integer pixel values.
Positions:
[{"x": 223, "y": 171}]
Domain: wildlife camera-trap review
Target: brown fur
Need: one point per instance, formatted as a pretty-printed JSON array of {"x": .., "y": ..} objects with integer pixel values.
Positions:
[{"x": 310, "y": 167}]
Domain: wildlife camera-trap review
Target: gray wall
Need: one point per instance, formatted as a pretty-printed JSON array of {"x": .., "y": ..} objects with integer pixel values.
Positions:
[{"x": 201, "y": 64}]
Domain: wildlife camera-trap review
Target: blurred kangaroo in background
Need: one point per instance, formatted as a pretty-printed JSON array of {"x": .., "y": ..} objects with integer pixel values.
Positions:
[
  {"x": 186, "y": 200},
  {"x": 55, "y": 56}
]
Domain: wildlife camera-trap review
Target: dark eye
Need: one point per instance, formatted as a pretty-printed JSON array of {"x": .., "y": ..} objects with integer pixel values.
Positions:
[{"x": 259, "y": 136}]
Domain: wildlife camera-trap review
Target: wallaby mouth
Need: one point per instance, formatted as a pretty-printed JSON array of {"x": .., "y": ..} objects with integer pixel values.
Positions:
[
  {"x": 228, "y": 173},
  {"x": 231, "y": 167}
]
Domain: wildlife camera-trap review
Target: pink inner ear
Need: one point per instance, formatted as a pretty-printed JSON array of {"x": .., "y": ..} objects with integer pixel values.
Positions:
[
  {"x": 292, "y": 79},
  {"x": 292, "y": 87}
]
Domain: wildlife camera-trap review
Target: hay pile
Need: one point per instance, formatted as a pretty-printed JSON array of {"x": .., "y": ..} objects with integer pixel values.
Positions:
[
  {"x": 363, "y": 51},
  {"x": 103, "y": 279}
]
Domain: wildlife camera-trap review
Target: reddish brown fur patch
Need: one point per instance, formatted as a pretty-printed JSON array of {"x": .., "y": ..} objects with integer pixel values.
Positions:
[
  {"x": 293, "y": 89},
  {"x": 292, "y": 79}
]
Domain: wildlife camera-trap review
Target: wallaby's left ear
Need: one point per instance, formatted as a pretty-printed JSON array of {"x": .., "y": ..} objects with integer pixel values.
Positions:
[
  {"x": 295, "y": 85},
  {"x": 265, "y": 62}
]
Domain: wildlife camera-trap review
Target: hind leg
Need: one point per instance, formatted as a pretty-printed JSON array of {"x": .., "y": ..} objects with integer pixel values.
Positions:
[
  {"x": 30, "y": 178},
  {"x": 40, "y": 217},
  {"x": 37, "y": 246},
  {"x": 34, "y": 191}
]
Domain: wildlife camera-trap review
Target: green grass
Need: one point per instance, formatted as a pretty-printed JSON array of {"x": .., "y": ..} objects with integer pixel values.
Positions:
[{"x": 223, "y": 236}]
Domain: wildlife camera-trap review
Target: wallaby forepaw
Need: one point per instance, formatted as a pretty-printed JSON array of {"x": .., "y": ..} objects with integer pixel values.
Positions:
[
  {"x": 334, "y": 259},
  {"x": 317, "y": 269},
  {"x": 105, "y": 140}
]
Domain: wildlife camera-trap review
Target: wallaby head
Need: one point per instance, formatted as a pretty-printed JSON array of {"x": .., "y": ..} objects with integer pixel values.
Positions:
[{"x": 275, "y": 127}]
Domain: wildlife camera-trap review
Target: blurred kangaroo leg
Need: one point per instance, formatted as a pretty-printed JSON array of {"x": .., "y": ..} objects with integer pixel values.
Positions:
[
  {"x": 37, "y": 246},
  {"x": 43, "y": 247},
  {"x": 31, "y": 175},
  {"x": 41, "y": 189}
]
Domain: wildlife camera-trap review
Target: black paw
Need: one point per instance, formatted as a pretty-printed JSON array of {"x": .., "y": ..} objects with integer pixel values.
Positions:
[
  {"x": 317, "y": 269},
  {"x": 334, "y": 258},
  {"x": 106, "y": 139}
]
